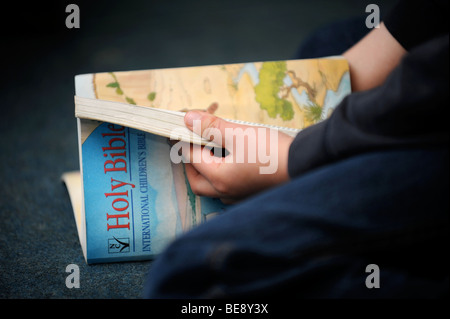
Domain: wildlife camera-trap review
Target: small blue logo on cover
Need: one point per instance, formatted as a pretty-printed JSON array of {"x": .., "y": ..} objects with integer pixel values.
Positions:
[{"x": 118, "y": 245}]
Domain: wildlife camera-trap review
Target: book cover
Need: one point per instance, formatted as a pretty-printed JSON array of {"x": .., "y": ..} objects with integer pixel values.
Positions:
[{"x": 134, "y": 200}]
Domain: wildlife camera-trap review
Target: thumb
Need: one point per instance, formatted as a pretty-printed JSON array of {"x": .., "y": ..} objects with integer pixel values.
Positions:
[{"x": 207, "y": 125}]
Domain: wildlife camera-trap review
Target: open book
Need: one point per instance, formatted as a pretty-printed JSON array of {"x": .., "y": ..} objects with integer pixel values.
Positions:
[
  {"x": 130, "y": 201},
  {"x": 152, "y": 120}
]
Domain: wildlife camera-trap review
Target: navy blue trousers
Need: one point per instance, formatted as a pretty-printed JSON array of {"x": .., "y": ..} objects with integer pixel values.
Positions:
[{"x": 314, "y": 236}]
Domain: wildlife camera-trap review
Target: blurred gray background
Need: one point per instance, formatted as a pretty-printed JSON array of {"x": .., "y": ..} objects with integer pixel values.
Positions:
[{"x": 38, "y": 139}]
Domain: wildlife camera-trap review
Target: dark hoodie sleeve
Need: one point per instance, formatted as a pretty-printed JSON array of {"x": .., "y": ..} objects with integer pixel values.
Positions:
[
  {"x": 413, "y": 22},
  {"x": 408, "y": 110}
]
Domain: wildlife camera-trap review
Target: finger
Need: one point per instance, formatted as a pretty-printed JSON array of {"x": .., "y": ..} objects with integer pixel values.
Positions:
[
  {"x": 199, "y": 184},
  {"x": 228, "y": 201},
  {"x": 212, "y": 108},
  {"x": 206, "y": 163},
  {"x": 211, "y": 127},
  {"x": 201, "y": 157}
]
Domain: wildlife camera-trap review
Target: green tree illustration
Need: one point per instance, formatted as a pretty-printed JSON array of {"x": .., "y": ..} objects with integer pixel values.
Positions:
[
  {"x": 151, "y": 96},
  {"x": 267, "y": 90},
  {"x": 313, "y": 112},
  {"x": 119, "y": 91}
]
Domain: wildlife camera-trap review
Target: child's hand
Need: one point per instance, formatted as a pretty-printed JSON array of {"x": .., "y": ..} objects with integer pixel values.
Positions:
[{"x": 256, "y": 158}]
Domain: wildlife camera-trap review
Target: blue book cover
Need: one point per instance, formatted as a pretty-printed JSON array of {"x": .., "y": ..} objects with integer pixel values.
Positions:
[{"x": 136, "y": 199}]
